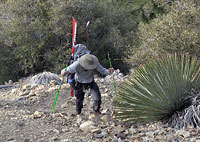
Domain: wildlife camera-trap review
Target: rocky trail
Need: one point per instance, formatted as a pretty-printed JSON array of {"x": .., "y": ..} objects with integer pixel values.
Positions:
[{"x": 25, "y": 117}]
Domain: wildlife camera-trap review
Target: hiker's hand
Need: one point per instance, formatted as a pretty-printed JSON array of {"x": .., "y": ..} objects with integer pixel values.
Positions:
[
  {"x": 111, "y": 70},
  {"x": 63, "y": 72}
]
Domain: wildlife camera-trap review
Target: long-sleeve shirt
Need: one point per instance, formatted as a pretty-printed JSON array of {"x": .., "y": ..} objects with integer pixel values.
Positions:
[{"x": 84, "y": 75}]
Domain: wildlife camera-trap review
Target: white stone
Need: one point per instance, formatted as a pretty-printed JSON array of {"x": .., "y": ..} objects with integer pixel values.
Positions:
[
  {"x": 186, "y": 134},
  {"x": 26, "y": 87},
  {"x": 91, "y": 116},
  {"x": 132, "y": 130},
  {"x": 38, "y": 114},
  {"x": 150, "y": 134},
  {"x": 67, "y": 140},
  {"x": 87, "y": 126},
  {"x": 104, "y": 111},
  {"x": 118, "y": 129},
  {"x": 24, "y": 93},
  {"x": 105, "y": 118},
  {"x": 10, "y": 82},
  {"x": 104, "y": 95},
  {"x": 14, "y": 90},
  {"x": 53, "y": 82}
]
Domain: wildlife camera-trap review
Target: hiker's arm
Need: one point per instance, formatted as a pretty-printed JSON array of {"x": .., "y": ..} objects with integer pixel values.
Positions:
[
  {"x": 70, "y": 69},
  {"x": 103, "y": 70}
]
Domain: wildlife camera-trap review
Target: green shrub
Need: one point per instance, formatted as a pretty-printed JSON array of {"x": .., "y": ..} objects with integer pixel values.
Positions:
[
  {"x": 177, "y": 31},
  {"x": 8, "y": 66},
  {"x": 41, "y": 32}
]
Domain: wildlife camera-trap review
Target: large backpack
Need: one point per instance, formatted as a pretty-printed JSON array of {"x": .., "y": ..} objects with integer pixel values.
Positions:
[{"x": 79, "y": 50}]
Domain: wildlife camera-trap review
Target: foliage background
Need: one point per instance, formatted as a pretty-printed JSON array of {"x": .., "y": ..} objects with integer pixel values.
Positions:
[{"x": 35, "y": 35}]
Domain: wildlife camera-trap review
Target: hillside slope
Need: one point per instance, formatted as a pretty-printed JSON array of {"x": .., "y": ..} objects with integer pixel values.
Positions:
[{"x": 25, "y": 117}]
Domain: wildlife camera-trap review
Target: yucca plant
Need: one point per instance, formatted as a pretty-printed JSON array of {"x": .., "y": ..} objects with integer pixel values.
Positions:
[{"x": 158, "y": 89}]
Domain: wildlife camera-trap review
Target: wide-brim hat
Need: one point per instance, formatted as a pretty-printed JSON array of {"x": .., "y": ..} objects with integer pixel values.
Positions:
[{"x": 88, "y": 61}]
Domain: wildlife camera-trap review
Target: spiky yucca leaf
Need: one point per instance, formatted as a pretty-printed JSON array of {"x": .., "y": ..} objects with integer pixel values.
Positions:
[{"x": 156, "y": 90}]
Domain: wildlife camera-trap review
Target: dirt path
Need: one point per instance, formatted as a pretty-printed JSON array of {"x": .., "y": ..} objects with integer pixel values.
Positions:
[
  {"x": 29, "y": 119},
  {"x": 25, "y": 118}
]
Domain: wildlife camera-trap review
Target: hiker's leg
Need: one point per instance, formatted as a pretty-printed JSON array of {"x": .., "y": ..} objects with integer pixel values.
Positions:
[
  {"x": 96, "y": 95},
  {"x": 79, "y": 97}
]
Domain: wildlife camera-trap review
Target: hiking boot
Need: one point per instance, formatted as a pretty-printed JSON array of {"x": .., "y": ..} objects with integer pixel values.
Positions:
[
  {"x": 97, "y": 112},
  {"x": 76, "y": 113}
]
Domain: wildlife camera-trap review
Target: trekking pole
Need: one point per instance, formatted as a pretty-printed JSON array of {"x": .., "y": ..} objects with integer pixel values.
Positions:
[
  {"x": 87, "y": 30},
  {"x": 73, "y": 46},
  {"x": 114, "y": 84},
  {"x": 57, "y": 93}
]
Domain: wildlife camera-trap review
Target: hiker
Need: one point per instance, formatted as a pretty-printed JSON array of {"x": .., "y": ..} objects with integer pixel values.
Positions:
[{"x": 84, "y": 69}]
